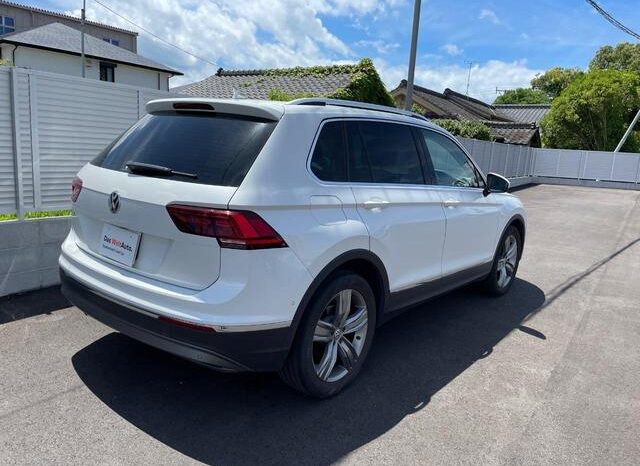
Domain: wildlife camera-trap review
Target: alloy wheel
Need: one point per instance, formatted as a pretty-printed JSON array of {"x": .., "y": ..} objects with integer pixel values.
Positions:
[
  {"x": 507, "y": 261},
  {"x": 339, "y": 335}
]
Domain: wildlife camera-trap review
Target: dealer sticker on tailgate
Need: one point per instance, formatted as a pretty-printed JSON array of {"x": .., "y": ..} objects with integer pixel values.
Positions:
[{"x": 119, "y": 244}]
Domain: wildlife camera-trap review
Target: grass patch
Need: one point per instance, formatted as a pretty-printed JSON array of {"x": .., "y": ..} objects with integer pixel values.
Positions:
[{"x": 45, "y": 214}]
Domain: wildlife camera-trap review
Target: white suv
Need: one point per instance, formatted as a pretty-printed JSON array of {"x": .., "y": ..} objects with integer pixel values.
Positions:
[{"x": 258, "y": 236}]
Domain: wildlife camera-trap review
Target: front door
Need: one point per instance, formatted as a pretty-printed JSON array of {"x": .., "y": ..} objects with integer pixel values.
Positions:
[{"x": 471, "y": 218}]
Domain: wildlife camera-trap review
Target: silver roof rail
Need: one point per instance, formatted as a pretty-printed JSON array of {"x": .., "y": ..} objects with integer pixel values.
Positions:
[{"x": 353, "y": 104}]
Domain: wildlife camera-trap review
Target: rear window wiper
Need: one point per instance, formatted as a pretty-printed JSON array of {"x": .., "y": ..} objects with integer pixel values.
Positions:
[{"x": 141, "y": 168}]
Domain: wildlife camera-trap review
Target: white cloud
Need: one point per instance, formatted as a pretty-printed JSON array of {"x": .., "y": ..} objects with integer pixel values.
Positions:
[
  {"x": 452, "y": 49},
  {"x": 484, "y": 77},
  {"x": 489, "y": 15},
  {"x": 379, "y": 46},
  {"x": 251, "y": 33}
]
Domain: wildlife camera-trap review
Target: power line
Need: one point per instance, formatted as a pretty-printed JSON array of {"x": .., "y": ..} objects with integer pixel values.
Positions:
[
  {"x": 155, "y": 35},
  {"x": 612, "y": 20}
]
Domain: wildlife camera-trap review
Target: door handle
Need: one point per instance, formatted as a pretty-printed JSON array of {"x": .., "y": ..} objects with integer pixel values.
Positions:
[
  {"x": 451, "y": 203},
  {"x": 375, "y": 204}
]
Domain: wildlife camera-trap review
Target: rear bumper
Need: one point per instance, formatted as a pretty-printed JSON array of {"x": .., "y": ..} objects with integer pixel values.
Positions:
[{"x": 261, "y": 350}]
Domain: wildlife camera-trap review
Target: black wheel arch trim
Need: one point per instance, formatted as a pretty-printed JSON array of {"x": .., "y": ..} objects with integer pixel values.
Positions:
[
  {"x": 512, "y": 220},
  {"x": 332, "y": 267}
]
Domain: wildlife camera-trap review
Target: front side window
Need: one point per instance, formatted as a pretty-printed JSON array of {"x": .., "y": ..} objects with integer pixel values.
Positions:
[
  {"x": 107, "y": 72},
  {"x": 391, "y": 153},
  {"x": 328, "y": 160},
  {"x": 7, "y": 25},
  {"x": 451, "y": 165}
]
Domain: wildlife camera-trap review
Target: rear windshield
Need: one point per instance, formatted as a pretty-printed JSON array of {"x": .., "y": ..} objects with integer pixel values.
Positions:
[{"x": 218, "y": 149}]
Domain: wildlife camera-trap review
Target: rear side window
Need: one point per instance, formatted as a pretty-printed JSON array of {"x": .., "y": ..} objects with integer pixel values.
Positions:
[
  {"x": 328, "y": 162},
  {"x": 392, "y": 153},
  {"x": 219, "y": 149}
]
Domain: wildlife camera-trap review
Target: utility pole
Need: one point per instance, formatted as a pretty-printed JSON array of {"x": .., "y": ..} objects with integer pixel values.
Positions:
[
  {"x": 84, "y": 6},
  {"x": 470, "y": 63},
  {"x": 412, "y": 54},
  {"x": 628, "y": 132}
]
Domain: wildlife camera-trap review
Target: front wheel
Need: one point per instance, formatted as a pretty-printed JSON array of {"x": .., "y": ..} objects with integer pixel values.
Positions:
[
  {"x": 333, "y": 338},
  {"x": 505, "y": 263}
]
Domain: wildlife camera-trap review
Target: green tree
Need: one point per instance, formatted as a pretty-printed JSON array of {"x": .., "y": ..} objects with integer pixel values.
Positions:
[
  {"x": 622, "y": 57},
  {"x": 465, "y": 128},
  {"x": 593, "y": 112},
  {"x": 522, "y": 95},
  {"x": 552, "y": 82},
  {"x": 365, "y": 86}
]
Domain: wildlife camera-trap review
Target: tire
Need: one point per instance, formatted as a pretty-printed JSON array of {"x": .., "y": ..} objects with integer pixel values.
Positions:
[
  {"x": 496, "y": 284},
  {"x": 325, "y": 336}
]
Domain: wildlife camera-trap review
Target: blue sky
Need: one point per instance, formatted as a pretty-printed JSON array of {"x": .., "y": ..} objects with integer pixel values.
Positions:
[{"x": 507, "y": 41}]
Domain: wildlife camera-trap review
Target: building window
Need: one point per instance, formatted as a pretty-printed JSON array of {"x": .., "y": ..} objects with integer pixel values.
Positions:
[
  {"x": 7, "y": 25},
  {"x": 107, "y": 72},
  {"x": 115, "y": 42}
]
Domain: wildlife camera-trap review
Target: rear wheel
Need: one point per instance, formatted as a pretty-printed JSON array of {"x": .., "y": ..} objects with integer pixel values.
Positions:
[
  {"x": 505, "y": 263},
  {"x": 333, "y": 338}
]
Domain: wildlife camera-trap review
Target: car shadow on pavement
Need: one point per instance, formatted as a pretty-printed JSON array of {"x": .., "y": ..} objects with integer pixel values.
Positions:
[
  {"x": 30, "y": 304},
  {"x": 237, "y": 419}
]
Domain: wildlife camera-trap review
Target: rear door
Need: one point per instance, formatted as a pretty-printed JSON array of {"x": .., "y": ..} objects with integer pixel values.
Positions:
[
  {"x": 122, "y": 214},
  {"x": 472, "y": 218},
  {"x": 404, "y": 216}
]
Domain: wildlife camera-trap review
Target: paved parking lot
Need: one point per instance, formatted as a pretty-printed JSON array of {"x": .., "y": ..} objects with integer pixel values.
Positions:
[{"x": 549, "y": 374}]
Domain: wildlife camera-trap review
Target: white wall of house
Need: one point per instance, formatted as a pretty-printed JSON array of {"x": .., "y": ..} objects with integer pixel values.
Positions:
[{"x": 63, "y": 63}]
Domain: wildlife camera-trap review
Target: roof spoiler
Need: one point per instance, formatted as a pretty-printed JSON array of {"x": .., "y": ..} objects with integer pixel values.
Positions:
[{"x": 228, "y": 106}]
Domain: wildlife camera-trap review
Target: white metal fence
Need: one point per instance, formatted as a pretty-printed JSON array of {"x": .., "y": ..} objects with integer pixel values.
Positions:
[
  {"x": 51, "y": 125},
  {"x": 515, "y": 161}
]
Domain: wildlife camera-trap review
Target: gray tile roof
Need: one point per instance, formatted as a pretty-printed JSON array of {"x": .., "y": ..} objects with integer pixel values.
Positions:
[
  {"x": 501, "y": 121},
  {"x": 256, "y": 84},
  {"x": 450, "y": 104},
  {"x": 531, "y": 113},
  {"x": 514, "y": 133},
  {"x": 58, "y": 37}
]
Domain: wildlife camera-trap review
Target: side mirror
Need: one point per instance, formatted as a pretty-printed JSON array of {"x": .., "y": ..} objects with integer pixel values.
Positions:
[{"x": 496, "y": 184}]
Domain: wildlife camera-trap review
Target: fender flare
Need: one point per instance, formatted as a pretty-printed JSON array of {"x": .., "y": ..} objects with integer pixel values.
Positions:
[{"x": 512, "y": 220}]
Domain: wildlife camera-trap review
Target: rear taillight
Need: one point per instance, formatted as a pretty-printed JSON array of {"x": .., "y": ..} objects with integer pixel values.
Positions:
[
  {"x": 76, "y": 187},
  {"x": 236, "y": 229}
]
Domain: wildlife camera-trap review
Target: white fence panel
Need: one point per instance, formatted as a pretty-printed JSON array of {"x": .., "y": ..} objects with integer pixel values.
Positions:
[
  {"x": 24, "y": 133},
  {"x": 7, "y": 172},
  {"x": 598, "y": 165},
  {"x": 545, "y": 162},
  {"x": 569, "y": 164},
  {"x": 516, "y": 161},
  {"x": 74, "y": 124},
  {"x": 626, "y": 167}
]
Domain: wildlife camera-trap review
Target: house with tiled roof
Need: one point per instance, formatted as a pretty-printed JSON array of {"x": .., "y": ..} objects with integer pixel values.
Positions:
[
  {"x": 337, "y": 81},
  {"x": 512, "y": 124},
  {"x": 17, "y": 17},
  {"x": 56, "y": 48}
]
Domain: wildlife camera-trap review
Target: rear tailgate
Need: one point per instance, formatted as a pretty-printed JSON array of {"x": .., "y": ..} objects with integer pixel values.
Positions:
[{"x": 122, "y": 217}]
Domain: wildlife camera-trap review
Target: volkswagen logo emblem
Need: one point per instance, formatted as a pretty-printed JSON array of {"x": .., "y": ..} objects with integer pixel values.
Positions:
[{"x": 114, "y": 202}]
